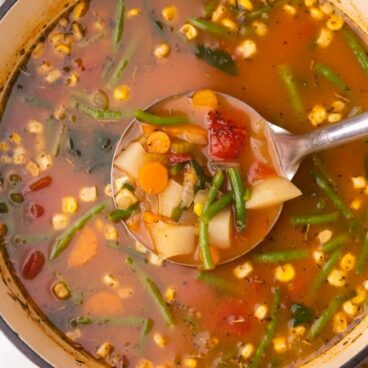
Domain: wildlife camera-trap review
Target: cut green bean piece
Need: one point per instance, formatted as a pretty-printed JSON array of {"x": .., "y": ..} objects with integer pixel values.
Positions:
[
  {"x": 217, "y": 181},
  {"x": 208, "y": 26},
  {"x": 363, "y": 257},
  {"x": 318, "y": 163},
  {"x": 119, "y": 23},
  {"x": 324, "y": 218},
  {"x": 288, "y": 80},
  {"x": 38, "y": 102},
  {"x": 335, "y": 243},
  {"x": 324, "y": 184},
  {"x": 204, "y": 246},
  {"x": 237, "y": 186},
  {"x": 119, "y": 214},
  {"x": 320, "y": 323},
  {"x": 216, "y": 207},
  {"x": 270, "y": 330},
  {"x": 117, "y": 321},
  {"x": 281, "y": 256},
  {"x": 152, "y": 119},
  {"x": 63, "y": 241},
  {"x": 210, "y": 7},
  {"x": 215, "y": 281},
  {"x": 99, "y": 114},
  {"x": 357, "y": 47}
]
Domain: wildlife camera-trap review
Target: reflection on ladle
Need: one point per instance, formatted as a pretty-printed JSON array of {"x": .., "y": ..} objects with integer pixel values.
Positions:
[{"x": 277, "y": 151}]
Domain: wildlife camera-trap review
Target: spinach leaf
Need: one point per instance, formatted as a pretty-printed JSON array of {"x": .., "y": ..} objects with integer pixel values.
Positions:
[{"x": 301, "y": 314}]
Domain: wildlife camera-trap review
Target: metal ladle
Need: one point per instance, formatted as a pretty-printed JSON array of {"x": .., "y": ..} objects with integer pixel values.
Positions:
[{"x": 287, "y": 149}]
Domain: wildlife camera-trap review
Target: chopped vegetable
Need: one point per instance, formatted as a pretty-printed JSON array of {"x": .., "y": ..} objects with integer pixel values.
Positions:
[
  {"x": 208, "y": 26},
  {"x": 335, "y": 243},
  {"x": 324, "y": 218},
  {"x": 217, "y": 206},
  {"x": 357, "y": 47},
  {"x": 281, "y": 256},
  {"x": 99, "y": 114},
  {"x": 118, "y": 215},
  {"x": 180, "y": 147},
  {"x": 215, "y": 281},
  {"x": 170, "y": 198},
  {"x": 301, "y": 314},
  {"x": 40, "y": 184},
  {"x": 130, "y": 159},
  {"x": 205, "y": 98},
  {"x": 158, "y": 142},
  {"x": 119, "y": 23},
  {"x": 152, "y": 119},
  {"x": 363, "y": 257},
  {"x": 153, "y": 177},
  {"x": 189, "y": 132},
  {"x": 238, "y": 190}
]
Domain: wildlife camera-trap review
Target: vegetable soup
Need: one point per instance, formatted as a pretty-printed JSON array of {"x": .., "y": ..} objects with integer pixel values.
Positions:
[{"x": 196, "y": 184}]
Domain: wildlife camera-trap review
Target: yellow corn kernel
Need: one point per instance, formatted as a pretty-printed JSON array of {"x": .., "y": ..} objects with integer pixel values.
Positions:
[
  {"x": 245, "y": 4},
  {"x": 318, "y": 115},
  {"x": 340, "y": 322},
  {"x": 19, "y": 155},
  {"x": 243, "y": 270},
  {"x": 247, "y": 49},
  {"x": 324, "y": 38},
  {"x": 110, "y": 232},
  {"x": 37, "y": 51},
  {"x": 61, "y": 291},
  {"x": 80, "y": 10},
  {"x": 53, "y": 76},
  {"x": 5, "y": 159},
  {"x": 69, "y": 205},
  {"x": 190, "y": 363},
  {"x": 198, "y": 209},
  {"x": 74, "y": 334},
  {"x": 347, "y": 262},
  {"x": 15, "y": 138},
  {"x": 334, "y": 118},
  {"x": 261, "y": 312},
  {"x": 205, "y": 98},
  {"x": 169, "y": 12},
  {"x": 133, "y": 12},
  {"x": 122, "y": 93},
  {"x": 350, "y": 309},
  {"x": 144, "y": 363},
  {"x": 360, "y": 297},
  {"x": 158, "y": 142},
  {"x": 125, "y": 199},
  {"x": 63, "y": 48},
  {"x": 327, "y": 8},
  {"x": 88, "y": 194},
  {"x": 34, "y": 127},
  {"x": 316, "y": 13},
  {"x": 230, "y": 24},
  {"x": 356, "y": 204},
  {"x": 4, "y": 147},
  {"x": 60, "y": 112},
  {"x": 159, "y": 340},
  {"x": 56, "y": 37},
  {"x": 359, "y": 182},
  {"x": 246, "y": 351},
  {"x": 259, "y": 28},
  {"x": 310, "y": 3},
  {"x": 189, "y": 31},
  {"x": 104, "y": 350},
  {"x": 280, "y": 344},
  {"x": 219, "y": 13},
  {"x": 44, "y": 68},
  {"x": 291, "y": 10},
  {"x": 110, "y": 280},
  {"x": 299, "y": 330},
  {"x": 319, "y": 257},
  {"x": 285, "y": 273},
  {"x": 108, "y": 190},
  {"x": 324, "y": 236},
  {"x": 338, "y": 106},
  {"x": 44, "y": 161},
  {"x": 33, "y": 168},
  {"x": 337, "y": 278},
  {"x": 73, "y": 79},
  {"x": 125, "y": 293},
  {"x": 78, "y": 31},
  {"x": 335, "y": 22},
  {"x": 365, "y": 285},
  {"x": 162, "y": 50},
  {"x": 170, "y": 295},
  {"x": 60, "y": 221}
]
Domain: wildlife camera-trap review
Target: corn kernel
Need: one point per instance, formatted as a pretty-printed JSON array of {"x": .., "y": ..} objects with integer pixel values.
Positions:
[
  {"x": 365, "y": 285},
  {"x": 110, "y": 232},
  {"x": 78, "y": 31},
  {"x": 122, "y": 93},
  {"x": 299, "y": 330},
  {"x": 324, "y": 236},
  {"x": 319, "y": 257},
  {"x": 110, "y": 280},
  {"x": 285, "y": 273},
  {"x": 261, "y": 312},
  {"x": 62, "y": 48},
  {"x": 15, "y": 138},
  {"x": 335, "y": 22},
  {"x": 316, "y": 13},
  {"x": 74, "y": 334},
  {"x": 324, "y": 38},
  {"x": 61, "y": 291},
  {"x": 159, "y": 340},
  {"x": 170, "y": 295},
  {"x": 125, "y": 199},
  {"x": 162, "y": 50},
  {"x": 44, "y": 68},
  {"x": 219, "y": 13},
  {"x": 37, "y": 51},
  {"x": 44, "y": 161},
  {"x": 69, "y": 205},
  {"x": 88, "y": 194},
  {"x": 198, "y": 209},
  {"x": 347, "y": 262},
  {"x": 327, "y": 8},
  {"x": 230, "y": 24},
  {"x": 243, "y": 270},
  {"x": 133, "y": 12},
  {"x": 73, "y": 79},
  {"x": 259, "y": 28},
  {"x": 190, "y": 363},
  {"x": 189, "y": 31},
  {"x": 334, "y": 118},
  {"x": 247, "y": 49},
  {"x": 337, "y": 278},
  {"x": 144, "y": 363},
  {"x": 356, "y": 204},
  {"x": 279, "y": 344},
  {"x": 245, "y": 4},
  {"x": 310, "y": 3},
  {"x": 169, "y": 12},
  {"x": 359, "y": 182},
  {"x": 291, "y": 10},
  {"x": 60, "y": 221},
  {"x": 4, "y": 147},
  {"x": 34, "y": 127},
  {"x": 80, "y": 10},
  {"x": 340, "y": 322},
  {"x": 318, "y": 115},
  {"x": 350, "y": 308},
  {"x": 361, "y": 296},
  {"x": 338, "y": 106},
  {"x": 125, "y": 293},
  {"x": 60, "y": 112},
  {"x": 56, "y": 37},
  {"x": 108, "y": 190},
  {"x": 53, "y": 76},
  {"x": 104, "y": 350},
  {"x": 33, "y": 168},
  {"x": 19, "y": 155},
  {"x": 5, "y": 159},
  {"x": 246, "y": 351}
]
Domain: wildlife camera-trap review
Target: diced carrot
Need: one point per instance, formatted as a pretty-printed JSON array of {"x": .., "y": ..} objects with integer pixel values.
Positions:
[
  {"x": 150, "y": 217},
  {"x": 103, "y": 304},
  {"x": 85, "y": 248},
  {"x": 153, "y": 177},
  {"x": 188, "y": 132},
  {"x": 205, "y": 98},
  {"x": 147, "y": 128},
  {"x": 158, "y": 142}
]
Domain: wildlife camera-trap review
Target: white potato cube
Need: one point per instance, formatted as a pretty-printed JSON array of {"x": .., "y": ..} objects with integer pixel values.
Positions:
[
  {"x": 169, "y": 198},
  {"x": 219, "y": 229},
  {"x": 131, "y": 159}
]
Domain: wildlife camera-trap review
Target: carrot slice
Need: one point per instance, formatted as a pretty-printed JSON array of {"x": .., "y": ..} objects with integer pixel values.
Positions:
[
  {"x": 85, "y": 248},
  {"x": 153, "y": 177},
  {"x": 103, "y": 304},
  {"x": 205, "y": 98}
]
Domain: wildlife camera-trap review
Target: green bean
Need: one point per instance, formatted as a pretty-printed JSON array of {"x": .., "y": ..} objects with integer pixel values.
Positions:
[
  {"x": 363, "y": 257},
  {"x": 208, "y": 26},
  {"x": 176, "y": 169},
  {"x": 281, "y": 256},
  {"x": 357, "y": 47},
  {"x": 30, "y": 238},
  {"x": 323, "y": 183},
  {"x": 288, "y": 80},
  {"x": 117, "y": 321},
  {"x": 215, "y": 281},
  {"x": 257, "y": 13},
  {"x": 216, "y": 207},
  {"x": 204, "y": 246},
  {"x": 62, "y": 242},
  {"x": 317, "y": 161},
  {"x": 99, "y": 114},
  {"x": 152, "y": 119},
  {"x": 217, "y": 181},
  {"x": 154, "y": 292},
  {"x": 335, "y": 243},
  {"x": 177, "y": 212},
  {"x": 119, "y": 214},
  {"x": 324, "y": 218},
  {"x": 320, "y": 323},
  {"x": 210, "y": 7},
  {"x": 331, "y": 76},
  {"x": 119, "y": 23},
  {"x": 270, "y": 330},
  {"x": 54, "y": 132},
  {"x": 38, "y": 102},
  {"x": 237, "y": 186},
  {"x": 325, "y": 270}
]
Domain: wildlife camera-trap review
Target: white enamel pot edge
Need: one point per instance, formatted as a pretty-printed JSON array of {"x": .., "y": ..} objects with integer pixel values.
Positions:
[{"x": 17, "y": 28}]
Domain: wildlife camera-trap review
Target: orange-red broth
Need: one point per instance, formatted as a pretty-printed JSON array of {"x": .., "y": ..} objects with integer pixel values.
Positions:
[{"x": 293, "y": 39}]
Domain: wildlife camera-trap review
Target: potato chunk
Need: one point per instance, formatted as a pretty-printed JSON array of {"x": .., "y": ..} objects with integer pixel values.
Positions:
[
  {"x": 219, "y": 229},
  {"x": 131, "y": 159}
]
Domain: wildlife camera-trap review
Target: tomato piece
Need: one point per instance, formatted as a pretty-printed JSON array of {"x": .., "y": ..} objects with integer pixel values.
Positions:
[
  {"x": 33, "y": 265},
  {"x": 226, "y": 137},
  {"x": 259, "y": 171},
  {"x": 178, "y": 158},
  {"x": 41, "y": 184},
  {"x": 36, "y": 211}
]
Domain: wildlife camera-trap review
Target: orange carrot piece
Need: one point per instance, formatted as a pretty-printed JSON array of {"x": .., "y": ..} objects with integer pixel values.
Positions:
[
  {"x": 103, "y": 304},
  {"x": 188, "y": 132},
  {"x": 205, "y": 98},
  {"x": 153, "y": 177}
]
